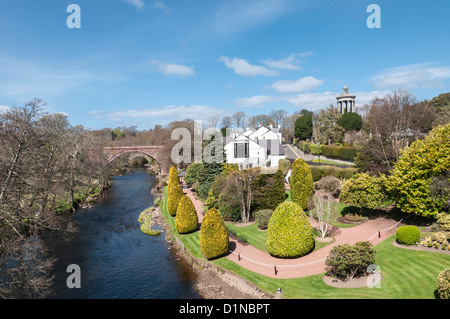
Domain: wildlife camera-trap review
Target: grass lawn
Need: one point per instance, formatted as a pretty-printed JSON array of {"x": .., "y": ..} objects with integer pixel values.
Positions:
[
  {"x": 331, "y": 162},
  {"x": 407, "y": 274}
]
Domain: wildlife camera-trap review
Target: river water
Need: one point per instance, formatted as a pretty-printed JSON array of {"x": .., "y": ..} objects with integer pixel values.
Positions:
[{"x": 116, "y": 259}]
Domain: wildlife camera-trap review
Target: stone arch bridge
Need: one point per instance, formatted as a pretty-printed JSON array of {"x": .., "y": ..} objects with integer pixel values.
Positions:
[{"x": 155, "y": 152}]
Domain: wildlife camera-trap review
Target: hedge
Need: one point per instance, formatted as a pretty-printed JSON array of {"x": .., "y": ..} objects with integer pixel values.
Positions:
[
  {"x": 347, "y": 153},
  {"x": 325, "y": 170},
  {"x": 408, "y": 235},
  {"x": 214, "y": 239},
  {"x": 301, "y": 183},
  {"x": 289, "y": 233},
  {"x": 186, "y": 220}
]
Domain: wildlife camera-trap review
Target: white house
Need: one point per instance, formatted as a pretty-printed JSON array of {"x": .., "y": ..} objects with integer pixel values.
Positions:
[{"x": 251, "y": 147}]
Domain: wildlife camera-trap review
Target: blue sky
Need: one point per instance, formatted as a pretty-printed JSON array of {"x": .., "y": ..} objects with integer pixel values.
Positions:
[{"x": 144, "y": 62}]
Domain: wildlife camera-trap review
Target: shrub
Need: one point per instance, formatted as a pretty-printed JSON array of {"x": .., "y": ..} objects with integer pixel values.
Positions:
[
  {"x": 439, "y": 237},
  {"x": 350, "y": 121},
  {"x": 262, "y": 218},
  {"x": 319, "y": 172},
  {"x": 443, "y": 219},
  {"x": 329, "y": 184},
  {"x": 408, "y": 235},
  {"x": 268, "y": 191},
  {"x": 284, "y": 165},
  {"x": 363, "y": 191},
  {"x": 289, "y": 233},
  {"x": 414, "y": 171},
  {"x": 301, "y": 183},
  {"x": 347, "y": 262},
  {"x": 174, "y": 192},
  {"x": 191, "y": 173},
  {"x": 186, "y": 220},
  {"x": 214, "y": 239},
  {"x": 443, "y": 284}
]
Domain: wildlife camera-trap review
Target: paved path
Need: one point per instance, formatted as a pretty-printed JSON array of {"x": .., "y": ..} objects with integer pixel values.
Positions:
[{"x": 263, "y": 263}]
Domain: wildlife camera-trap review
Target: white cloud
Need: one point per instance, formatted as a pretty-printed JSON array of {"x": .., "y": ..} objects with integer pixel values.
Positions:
[
  {"x": 168, "y": 113},
  {"x": 255, "y": 101},
  {"x": 242, "y": 67},
  {"x": 173, "y": 69},
  {"x": 4, "y": 108},
  {"x": 423, "y": 75},
  {"x": 139, "y": 4},
  {"x": 161, "y": 6},
  {"x": 300, "y": 85},
  {"x": 289, "y": 63}
]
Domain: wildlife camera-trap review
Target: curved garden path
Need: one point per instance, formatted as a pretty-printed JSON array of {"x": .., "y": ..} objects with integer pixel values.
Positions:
[{"x": 263, "y": 263}]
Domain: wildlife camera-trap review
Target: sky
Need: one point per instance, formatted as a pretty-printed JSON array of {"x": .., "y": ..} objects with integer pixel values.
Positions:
[{"x": 148, "y": 62}]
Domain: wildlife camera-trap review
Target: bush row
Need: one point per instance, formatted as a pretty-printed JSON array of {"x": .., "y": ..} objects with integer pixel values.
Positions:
[
  {"x": 347, "y": 153},
  {"x": 319, "y": 172}
]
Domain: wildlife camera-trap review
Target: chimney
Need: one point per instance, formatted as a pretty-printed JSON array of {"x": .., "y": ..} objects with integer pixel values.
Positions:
[{"x": 271, "y": 126}]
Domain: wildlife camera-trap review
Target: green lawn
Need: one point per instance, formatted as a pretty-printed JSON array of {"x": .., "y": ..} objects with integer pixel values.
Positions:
[{"x": 407, "y": 274}]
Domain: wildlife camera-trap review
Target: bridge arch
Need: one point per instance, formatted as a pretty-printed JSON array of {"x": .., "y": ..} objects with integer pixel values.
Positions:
[{"x": 155, "y": 152}]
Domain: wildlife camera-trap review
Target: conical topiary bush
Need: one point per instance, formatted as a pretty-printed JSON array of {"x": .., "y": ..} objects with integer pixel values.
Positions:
[
  {"x": 174, "y": 192},
  {"x": 289, "y": 233},
  {"x": 301, "y": 183},
  {"x": 214, "y": 239},
  {"x": 186, "y": 220}
]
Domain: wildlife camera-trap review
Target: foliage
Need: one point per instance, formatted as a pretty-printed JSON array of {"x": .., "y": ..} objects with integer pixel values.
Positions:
[
  {"x": 326, "y": 128},
  {"x": 304, "y": 127},
  {"x": 443, "y": 220},
  {"x": 214, "y": 239},
  {"x": 329, "y": 184},
  {"x": 350, "y": 121},
  {"x": 186, "y": 217},
  {"x": 348, "y": 153},
  {"x": 268, "y": 191},
  {"x": 413, "y": 174},
  {"x": 319, "y": 172},
  {"x": 191, "y": 173},
  {"x": 363, "y": 191},
  {"x": 262, "y": 218},
  {"x": 347, "y": 262},
  {"x": 301, "y": 183},
  {"x": 443, "y": 284},
  {"x": 408, "y": 235},
  {"x": 289, "y": 233},
  {"x": 206, "y": 175},
  {"x": 147, "y": 224},
  {"x": 174, "y": 192},
  {"x": 284, "y": 165}
]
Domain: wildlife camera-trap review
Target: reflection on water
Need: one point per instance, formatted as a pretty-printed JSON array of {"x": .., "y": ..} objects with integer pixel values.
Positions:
[{"x": 116, "y": 259}]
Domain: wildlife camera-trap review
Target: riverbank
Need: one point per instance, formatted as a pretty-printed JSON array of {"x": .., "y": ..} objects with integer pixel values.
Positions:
[{"x": 212, "y": 281}]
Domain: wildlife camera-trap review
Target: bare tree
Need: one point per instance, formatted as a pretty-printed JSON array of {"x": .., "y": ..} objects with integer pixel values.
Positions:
[
  {"x": 243, "y": 181},
  {"x": 278, "y": 117},
  {"x": 323, "y": 214},
  {"x": 238, "y": 119}
]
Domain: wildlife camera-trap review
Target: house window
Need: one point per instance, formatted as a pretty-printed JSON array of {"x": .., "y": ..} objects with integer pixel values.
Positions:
[{"x": 241, "y": 150}]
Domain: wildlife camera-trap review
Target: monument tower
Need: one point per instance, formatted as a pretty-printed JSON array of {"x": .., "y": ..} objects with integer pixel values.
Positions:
[{"x": 345, "y": 101}]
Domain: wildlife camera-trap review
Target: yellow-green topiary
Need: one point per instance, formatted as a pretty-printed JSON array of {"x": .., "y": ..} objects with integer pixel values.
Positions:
[
  {"x": 289, "y": 233},
  {"x": 186, "y": 220},
  {"x": 301, "y": 183},
  {"x": 174, "y": 192},
  {"x": 443, "y": 284},
  {"x": 214, "y": 239}
]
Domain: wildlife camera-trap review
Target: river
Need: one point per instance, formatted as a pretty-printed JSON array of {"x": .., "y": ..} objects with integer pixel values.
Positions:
[{"x": 116, "y": 259}]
